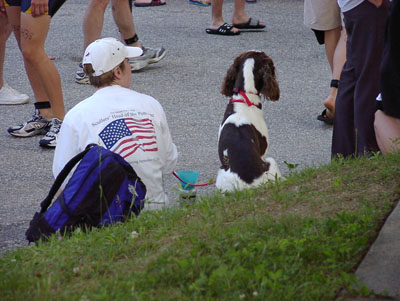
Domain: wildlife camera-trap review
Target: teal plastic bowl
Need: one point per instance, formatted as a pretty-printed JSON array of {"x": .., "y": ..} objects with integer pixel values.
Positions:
[{"x": 189, "y": 177}]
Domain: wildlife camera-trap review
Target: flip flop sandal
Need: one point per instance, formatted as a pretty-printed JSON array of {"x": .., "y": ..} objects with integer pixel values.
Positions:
[
  {"x": 324, "y": 117},
  {"x": 251, "y": 24},
  {"x": 223, "y": 30},
  {"x": 200, "y": 2},
  {"x": 152, "y": 3}
]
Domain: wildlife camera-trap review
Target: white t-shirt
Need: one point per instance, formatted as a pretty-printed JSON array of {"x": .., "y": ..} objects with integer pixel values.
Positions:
[
  {"x": 346, "y": 5},
  {"x": 130, "y": 124}
]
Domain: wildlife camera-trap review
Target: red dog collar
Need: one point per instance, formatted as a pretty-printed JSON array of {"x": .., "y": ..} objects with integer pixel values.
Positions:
[{"x": 246, "y": 100}]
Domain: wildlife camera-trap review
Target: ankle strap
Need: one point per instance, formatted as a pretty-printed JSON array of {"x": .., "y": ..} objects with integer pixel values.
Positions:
[
  {"x": 334, "y": 83},
  {"x": 42, "y": 105},
  {"x": 132, "y": 40}
]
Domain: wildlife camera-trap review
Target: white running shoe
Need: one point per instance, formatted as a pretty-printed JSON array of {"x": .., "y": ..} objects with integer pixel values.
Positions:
[
  {"x": 50, "y": 138},
  {"x": 10, "y": 96},
  {"x": 37, "y": 125},
  {"x": 149, "y": 56}
]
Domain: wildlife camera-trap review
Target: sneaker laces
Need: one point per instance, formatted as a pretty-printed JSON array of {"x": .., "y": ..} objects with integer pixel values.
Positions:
[
  {"x": 6, "y": 87},
  {"x": 150, "y": 52},
  {"x": 11, "y": 89},
  {"x": 80, "y": 71},
  {"x": 35, "y": 117},
  {"x": 54, "y": 128}
]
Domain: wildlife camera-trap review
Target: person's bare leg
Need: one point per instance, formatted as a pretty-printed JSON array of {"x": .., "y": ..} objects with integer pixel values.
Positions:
[
  {"x": 239, "y": 14},
  {"x": 335, "y": 46},
  {"x": 93, "y": 21},
  {"x": 14, "y": 18},
  {"x": 33, "y": 36},
  {"x": 331, "y": 40},
  {"x": 387, "y": 131},
  {"x": 124, "y": 20},
  {"x": 216, "y": 15},
  {"x": 5, "y": 31}
]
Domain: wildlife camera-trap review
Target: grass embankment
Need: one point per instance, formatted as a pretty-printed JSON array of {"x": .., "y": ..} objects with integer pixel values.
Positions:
[{"x": 298, "y": 239}]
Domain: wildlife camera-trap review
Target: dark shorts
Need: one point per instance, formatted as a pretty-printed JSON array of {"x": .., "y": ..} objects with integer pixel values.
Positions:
[
  {"x": 25, "y": 5},
  {"x": 320, "y": 35}
]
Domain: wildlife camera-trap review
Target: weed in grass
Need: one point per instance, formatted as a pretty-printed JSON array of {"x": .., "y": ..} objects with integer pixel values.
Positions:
[{"x": 291, "y": 166}]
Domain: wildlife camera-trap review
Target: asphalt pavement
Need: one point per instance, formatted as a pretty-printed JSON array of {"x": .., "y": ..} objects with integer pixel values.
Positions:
[{"x": 187, "y": 84}]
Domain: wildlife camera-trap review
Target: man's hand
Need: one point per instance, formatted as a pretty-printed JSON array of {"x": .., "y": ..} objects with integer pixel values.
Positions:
[
  {"x": 2, "y": 9},
  {"x": 377, "y": 3},
  {"x": 39, "y": 7}
]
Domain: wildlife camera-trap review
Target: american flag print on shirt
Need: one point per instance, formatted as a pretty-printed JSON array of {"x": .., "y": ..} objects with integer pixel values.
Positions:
[{"x": 127, "y": 135}]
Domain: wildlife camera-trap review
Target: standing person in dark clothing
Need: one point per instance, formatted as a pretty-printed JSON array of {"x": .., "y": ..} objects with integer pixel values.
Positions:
[{"x": 353, "y": 131}]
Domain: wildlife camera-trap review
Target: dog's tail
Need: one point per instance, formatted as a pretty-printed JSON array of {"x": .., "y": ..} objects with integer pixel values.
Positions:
[{"x": 227, "y": 181}]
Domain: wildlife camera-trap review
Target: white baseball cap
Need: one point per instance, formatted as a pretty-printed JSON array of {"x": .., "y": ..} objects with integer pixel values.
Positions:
[{"x": 106, "y": 54}]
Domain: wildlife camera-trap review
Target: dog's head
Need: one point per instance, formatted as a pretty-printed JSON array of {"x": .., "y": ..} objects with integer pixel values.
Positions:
[{"x": 252, "y": 72}]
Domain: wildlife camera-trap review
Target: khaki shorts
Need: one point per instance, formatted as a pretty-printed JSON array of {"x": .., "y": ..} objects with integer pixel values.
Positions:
[{"x": 322, "y": 14}]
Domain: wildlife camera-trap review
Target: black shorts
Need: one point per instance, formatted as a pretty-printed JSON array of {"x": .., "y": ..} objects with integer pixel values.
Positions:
[
  {"x": 320, "y": 35},
  {"x": 25, "y": 5}
]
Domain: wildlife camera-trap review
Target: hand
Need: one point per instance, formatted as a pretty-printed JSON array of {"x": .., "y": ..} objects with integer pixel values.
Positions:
[
  {"x": 377, "y": 3},
  {"x": 3, "y": 12},
  {"x": 39, "y": 7}
]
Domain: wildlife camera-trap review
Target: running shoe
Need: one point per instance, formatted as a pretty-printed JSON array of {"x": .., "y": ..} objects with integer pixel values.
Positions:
[
  {"x": 149, "y": 56},
  {"x": 37, "y": 125},
  {"x": 80, "y": 76},
  {"x": 50, "y": 139},
  {"x": 10, "y": 96}
]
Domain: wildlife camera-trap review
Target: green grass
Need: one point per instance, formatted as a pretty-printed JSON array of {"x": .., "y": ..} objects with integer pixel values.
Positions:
[{"x": 297, "y": 239}]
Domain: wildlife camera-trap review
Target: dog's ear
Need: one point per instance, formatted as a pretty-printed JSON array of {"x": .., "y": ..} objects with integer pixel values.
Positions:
[
  {"x": 270, "y": 88},
  {"x": 230, "y": 78}
]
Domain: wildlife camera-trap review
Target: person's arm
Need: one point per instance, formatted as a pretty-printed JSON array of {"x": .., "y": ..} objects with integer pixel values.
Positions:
[
  {"x": 387, "y": 131},
  {"x": 168, "y": 150},
  {"x": 67, "y": 148},
  {"x": 2, "y": 9},
  {"x": 377, "y": 3}
]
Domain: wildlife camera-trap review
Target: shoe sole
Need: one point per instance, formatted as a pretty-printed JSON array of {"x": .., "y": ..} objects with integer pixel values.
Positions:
[
  {"x": 24, "y": 135},
  {"x": 136, "y": 66},
  {"x": 83, "y": 81},
  {"x": 47, "y": 145},
  {"x": 17, "y": 102}
]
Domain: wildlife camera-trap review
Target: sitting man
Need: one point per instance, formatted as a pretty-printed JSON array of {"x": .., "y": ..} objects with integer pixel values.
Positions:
[
  {"x": 122, "y": 120},
  {"x": 387, "y": 117}
]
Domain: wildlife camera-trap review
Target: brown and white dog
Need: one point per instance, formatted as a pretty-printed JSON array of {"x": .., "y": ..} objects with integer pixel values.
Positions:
[{"x": 243, "y": 134}]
